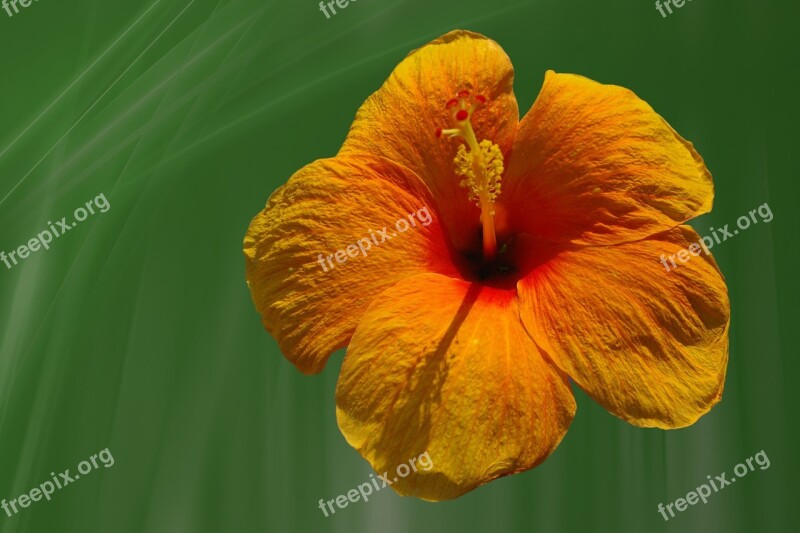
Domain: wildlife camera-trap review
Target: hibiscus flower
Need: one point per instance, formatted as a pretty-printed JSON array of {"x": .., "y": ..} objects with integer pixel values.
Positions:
[{"x": 540, "y": 268}]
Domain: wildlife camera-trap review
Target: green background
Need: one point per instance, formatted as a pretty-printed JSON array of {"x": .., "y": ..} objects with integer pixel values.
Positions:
[{"x": 136, "y": 331}]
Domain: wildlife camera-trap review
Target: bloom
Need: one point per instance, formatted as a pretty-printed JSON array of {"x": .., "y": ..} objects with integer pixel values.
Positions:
[{"x": 541, "y": 265}]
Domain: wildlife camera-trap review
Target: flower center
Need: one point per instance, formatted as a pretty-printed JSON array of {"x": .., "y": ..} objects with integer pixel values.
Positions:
[{"x": 479, "y": 163}]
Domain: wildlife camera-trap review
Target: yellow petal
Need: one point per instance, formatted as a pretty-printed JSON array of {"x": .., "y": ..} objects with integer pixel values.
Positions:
[
  {"x": 444, "y": 366},
  {"x": 649, "y": 345},
  {"x": 399, "y": 121},
  {"x": 594, "y": 164},
  {"x": 310, "y": 304}
]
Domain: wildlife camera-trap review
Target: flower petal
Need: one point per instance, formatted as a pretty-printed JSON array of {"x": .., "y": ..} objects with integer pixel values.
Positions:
[
  {"x": 444, "y": 366},
  {"x": 651, "y": 346},
  {"x": 594, "y": 164},
  {"x": 310, "y": 304},
  {"x": 400, "y": 120}
]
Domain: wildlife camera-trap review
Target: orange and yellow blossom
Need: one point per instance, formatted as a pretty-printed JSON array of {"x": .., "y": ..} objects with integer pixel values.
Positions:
[{"x": 541, "y": 265}]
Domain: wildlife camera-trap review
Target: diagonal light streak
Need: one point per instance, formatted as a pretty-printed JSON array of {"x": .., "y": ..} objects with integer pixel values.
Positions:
[
  {"x": 95, "y": 103},
  {"x": 76, "y": 80}
]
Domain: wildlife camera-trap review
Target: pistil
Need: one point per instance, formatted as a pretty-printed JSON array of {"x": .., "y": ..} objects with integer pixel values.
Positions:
[{"x": 479, "y": 163}]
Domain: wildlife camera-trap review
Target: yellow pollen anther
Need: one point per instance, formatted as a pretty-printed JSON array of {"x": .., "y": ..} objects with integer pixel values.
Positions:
[{"x": 484, "y": 184}]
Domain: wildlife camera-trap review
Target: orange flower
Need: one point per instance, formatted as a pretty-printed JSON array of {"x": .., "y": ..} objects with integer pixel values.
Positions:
[{"x": 541, "y": 263}]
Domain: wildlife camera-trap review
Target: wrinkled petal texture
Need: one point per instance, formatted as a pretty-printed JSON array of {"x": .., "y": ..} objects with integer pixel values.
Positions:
[
  {"x": 651, "y": 346},
  {"x": 594, "y": 164},
  {"x": 445, "y": 366},
  {"x": 399, "y": 121},
  {"x": 327, "y": 206}
]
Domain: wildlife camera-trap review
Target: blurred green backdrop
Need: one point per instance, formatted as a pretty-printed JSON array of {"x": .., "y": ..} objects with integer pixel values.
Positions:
[{"x": 136, "y": 332}]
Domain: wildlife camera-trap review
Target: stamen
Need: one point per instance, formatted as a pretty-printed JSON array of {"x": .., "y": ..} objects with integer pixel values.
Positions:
[
  {"x": 492, "y": 161},
  {"x": 480, "y": 164}
]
